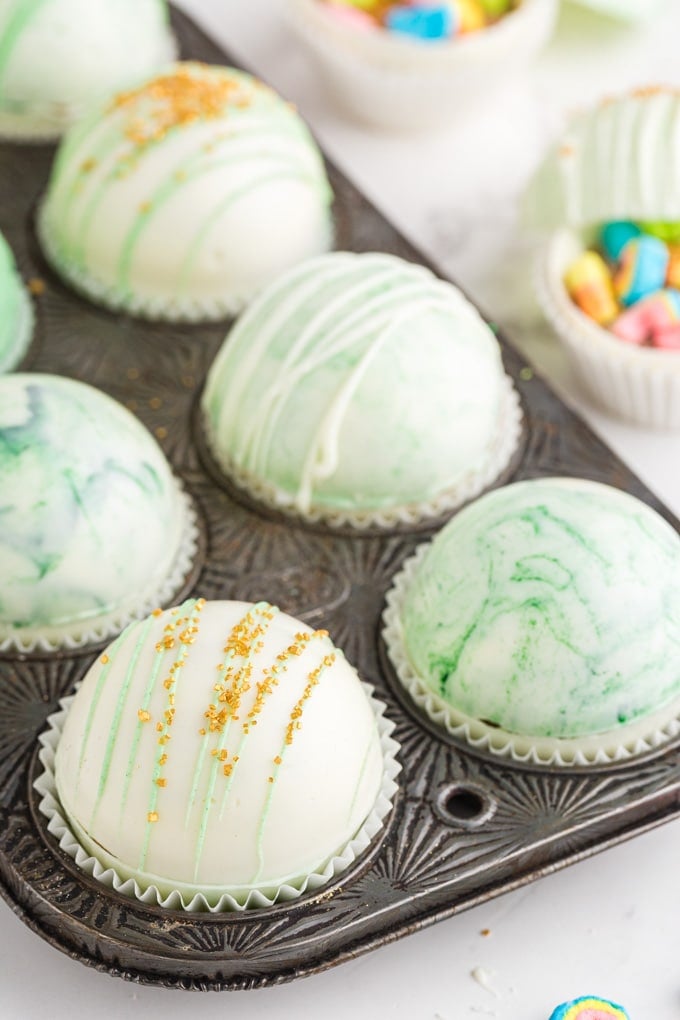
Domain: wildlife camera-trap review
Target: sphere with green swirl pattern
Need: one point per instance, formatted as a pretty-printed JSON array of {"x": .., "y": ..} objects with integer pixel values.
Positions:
[
  {"x": 16, "y": 313},
  {"x": 183, "y": 197},
  {"x": 548, "y": 610},
  {"x": 94, "y": 526}
]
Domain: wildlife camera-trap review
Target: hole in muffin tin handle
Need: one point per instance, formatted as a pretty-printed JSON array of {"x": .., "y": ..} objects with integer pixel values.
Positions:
[{"x": 467, "y": 805}]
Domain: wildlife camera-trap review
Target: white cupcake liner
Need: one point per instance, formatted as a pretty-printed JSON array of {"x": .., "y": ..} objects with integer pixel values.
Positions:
[
  {"x": 98, "y": 629},
  {"x": 23, "y": 332},
  {"x": 40, "y": 123},
  {"x": 638, "y": 384},
  {"x": 156, "y": 309},
  {"x": 388, "y": 81},
  {"x": 235, "y": 899},
  {"x": 619, "y": 745},
  {"x": 506, "y": 442}
]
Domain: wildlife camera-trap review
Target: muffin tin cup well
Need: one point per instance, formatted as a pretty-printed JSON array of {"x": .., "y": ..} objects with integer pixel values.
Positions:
[
  {"x": 464, "y": 826},
  {"x": 106, "y": 869}
]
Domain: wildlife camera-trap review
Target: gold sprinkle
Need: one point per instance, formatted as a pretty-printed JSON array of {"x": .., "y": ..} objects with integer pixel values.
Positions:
[
  {"x": 88, "y": 165},
  {"x": 161, "y": 782},
  {"x": 155, "y": 403},
  {"x": 277, "y": 760},
  {"x": 270, "y": 779},
  {"x": 144, "y": 208},
  {"x": 104, "y": 659},
  {"x": 162, "y": 760},
  {"x": 178, "y": 97},
  {"x": 485, "y": 932},
  {"x": 202, "y": 731},
  {"x": 161, "y": 432},
  {"x": 36, "y": 286},
  {"x": 164, "y": 739},
  {"x": 159, "y": 727},
  {"x": 157, "y": 612},
  {"x": 152, "y": 816},
  {"x": 143, "y": 715}
]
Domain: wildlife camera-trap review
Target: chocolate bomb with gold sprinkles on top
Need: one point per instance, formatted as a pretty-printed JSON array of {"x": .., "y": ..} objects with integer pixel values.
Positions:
[
  {"x": 183, "y": 197},
  {"x": 223, "y": 754}
]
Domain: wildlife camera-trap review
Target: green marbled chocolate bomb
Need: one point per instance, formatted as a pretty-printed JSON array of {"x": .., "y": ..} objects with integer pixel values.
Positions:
[
  {"x": 360, "y": 385},
  {"x": 94, "y": 525},
  {"x": 16, "y": 315},
  {"x": 546, "y": 617}
]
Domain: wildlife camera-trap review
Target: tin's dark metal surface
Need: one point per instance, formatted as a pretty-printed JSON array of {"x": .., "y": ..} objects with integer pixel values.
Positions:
[{"x": 464, "y": 827}]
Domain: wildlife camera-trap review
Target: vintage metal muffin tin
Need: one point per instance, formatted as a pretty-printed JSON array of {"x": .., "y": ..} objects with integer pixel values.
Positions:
[{"x": 464, "y": 827}]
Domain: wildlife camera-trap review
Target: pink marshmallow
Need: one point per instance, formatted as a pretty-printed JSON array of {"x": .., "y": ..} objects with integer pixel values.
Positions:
[
  {"x": 352, "y": 17},
  {"x": 668, "y": 339},
  {"x": 633, "y": 326}
]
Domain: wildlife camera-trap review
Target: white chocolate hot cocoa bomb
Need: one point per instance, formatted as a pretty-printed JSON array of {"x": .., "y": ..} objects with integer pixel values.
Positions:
[
  {"x": 58, "y": 57},
  {"x": 184, "y": 197},
  {"x": 95, "y": 528},
  {"x": 16, "y": 312},
  {"x": 361, "y": 386},
  {"x": 544, "y": 622},
  {"x": 219, "y": 748}
]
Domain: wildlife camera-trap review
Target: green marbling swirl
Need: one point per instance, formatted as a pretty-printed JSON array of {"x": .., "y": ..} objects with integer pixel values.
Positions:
[
  {"x": 15, "y": 312},
  {"x": 549, "y": 608},
  {"x": 90, "y": 515}
]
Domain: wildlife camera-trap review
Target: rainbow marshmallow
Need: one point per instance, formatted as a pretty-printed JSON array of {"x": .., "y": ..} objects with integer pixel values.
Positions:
[
  {"x": 589, "y": 1007},
  {"x": 649, "y": 317},
  {"x": 644, "y": 261}
]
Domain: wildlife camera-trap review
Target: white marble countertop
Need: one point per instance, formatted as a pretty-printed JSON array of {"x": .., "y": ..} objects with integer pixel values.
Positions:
[{"x": 610, "y": 925}]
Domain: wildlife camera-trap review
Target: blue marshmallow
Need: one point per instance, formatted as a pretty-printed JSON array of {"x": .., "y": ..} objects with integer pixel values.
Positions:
[
  {"x": 615, "y": 236},
  {"x": 642, "y": 270},
  {"x": 426, "y": 23}
]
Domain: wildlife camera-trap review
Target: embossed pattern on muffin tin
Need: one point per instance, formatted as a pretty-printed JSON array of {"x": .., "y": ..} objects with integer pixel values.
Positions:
[{"x": 464, "y": 827}]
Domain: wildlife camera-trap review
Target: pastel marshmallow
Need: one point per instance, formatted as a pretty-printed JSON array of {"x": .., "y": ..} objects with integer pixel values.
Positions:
[
  {"x": 427, "y": 24},
  {"x": 642, "y": 269},
  {"x": 615, "y": 236},
  {"x": 668, "y": 339},
  {"x": 667, "y": 232},
  {"x": 589, "y": 284},
  {"x": 673, "y": 271},
  {"x": 470, "y": 15},
  {"x": 589, "y": 1007}
]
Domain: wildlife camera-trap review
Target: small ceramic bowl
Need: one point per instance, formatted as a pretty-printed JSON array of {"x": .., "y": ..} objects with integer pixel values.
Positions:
[
  {"x": 638, "y": 384},
  {"x": 392, "y": 82}
]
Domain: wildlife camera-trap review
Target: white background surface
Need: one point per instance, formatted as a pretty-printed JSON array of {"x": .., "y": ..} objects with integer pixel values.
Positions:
[{"x": 611, "y": 925}]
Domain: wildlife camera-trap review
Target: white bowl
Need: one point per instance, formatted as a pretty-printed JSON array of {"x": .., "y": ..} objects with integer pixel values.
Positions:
[
  {"x": 639, "y": 384},
  {"x": 388, "y": 81}
]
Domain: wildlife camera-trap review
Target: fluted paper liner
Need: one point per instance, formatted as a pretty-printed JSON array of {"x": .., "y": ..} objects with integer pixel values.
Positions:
[
  {"x": 473, "y": 483},
  {"x": 95, "y": 630},
  {"x": 599, "y": 749},
  {"x": 175, "y": 896}
]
